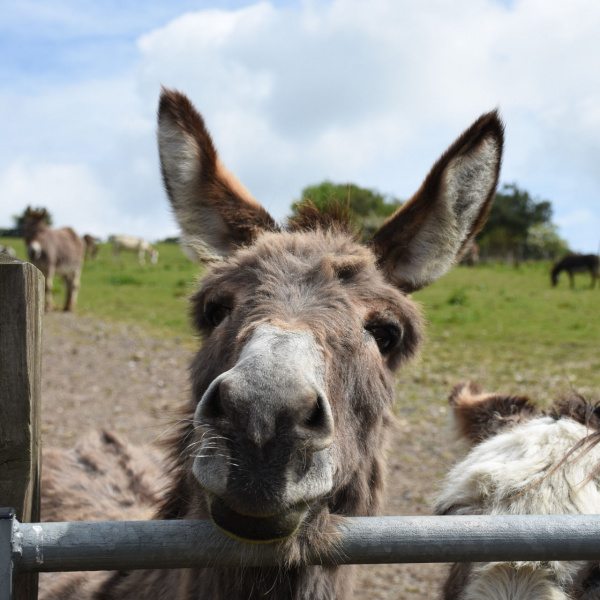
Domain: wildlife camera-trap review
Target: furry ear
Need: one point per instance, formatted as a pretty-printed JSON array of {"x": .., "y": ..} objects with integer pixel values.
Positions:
[
  {"x": 427, "y": 235},
  {"x": 215, "y": 212},
  {"x": 478, "y": 415}
]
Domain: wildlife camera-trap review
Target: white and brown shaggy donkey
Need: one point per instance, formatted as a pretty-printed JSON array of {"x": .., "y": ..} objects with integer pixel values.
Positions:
[
  {"x": 303, "y": 329},
  {"x": 523, "y": 461}
]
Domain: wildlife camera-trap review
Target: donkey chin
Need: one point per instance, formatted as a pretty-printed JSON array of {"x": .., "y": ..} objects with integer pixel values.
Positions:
[{"x": 264, "y": 513}]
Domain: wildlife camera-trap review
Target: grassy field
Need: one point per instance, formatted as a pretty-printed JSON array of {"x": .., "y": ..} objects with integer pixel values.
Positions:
[
  {"x": 151, "y": 296},
  {"x": 499, "y": 325}
]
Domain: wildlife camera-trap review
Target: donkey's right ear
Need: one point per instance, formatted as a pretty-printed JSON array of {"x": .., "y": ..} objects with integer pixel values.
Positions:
[{"x": 215, "y": 212}]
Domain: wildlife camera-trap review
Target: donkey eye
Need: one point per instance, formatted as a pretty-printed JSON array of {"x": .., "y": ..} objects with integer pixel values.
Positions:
[
  {"x": 215, "y": 313},
  {"x": 387, "y": 336}
]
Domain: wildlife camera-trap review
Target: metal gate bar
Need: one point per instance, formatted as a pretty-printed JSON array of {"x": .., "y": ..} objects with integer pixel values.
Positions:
[{"x": 170, "y": 544}]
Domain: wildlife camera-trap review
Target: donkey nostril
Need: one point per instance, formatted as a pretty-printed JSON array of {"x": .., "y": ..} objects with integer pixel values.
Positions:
[
  {"x": 316, "y": 417},
  {"x": 211, "y": 406},
  {"x": 319, "y": 424}
]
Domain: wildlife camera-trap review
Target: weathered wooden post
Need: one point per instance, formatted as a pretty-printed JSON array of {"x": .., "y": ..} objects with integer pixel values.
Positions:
[{"x": 21, "y": 313}]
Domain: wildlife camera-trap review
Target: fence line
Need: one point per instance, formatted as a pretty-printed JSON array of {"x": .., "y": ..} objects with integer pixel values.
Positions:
[{"x": 126, "y": 545}]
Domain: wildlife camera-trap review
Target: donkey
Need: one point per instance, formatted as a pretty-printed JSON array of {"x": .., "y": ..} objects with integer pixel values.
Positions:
[
  {"x": 303, "y": 329},
  {"x": 470, "y": 257},
  {"x": 8, "y": 250},
  {"x": 91, "y": 247},
  {"x": 54, "y": 251},
  {"x": 523, "y": 460},
  {"x": 576, "y": 263},
  {"x": 139, "y": 246}
]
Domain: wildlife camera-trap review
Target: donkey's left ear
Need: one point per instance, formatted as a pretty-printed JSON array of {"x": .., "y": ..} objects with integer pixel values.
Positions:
[{"x": 427, "y": 235}]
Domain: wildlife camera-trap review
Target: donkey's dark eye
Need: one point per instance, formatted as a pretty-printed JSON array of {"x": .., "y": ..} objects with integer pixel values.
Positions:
[
  {"x": 215, "y": 313},
  {"x": 387, "y": 336}
]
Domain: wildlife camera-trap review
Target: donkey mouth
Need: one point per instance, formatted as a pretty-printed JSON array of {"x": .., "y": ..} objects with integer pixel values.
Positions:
[{"x": 256, "y": 530}]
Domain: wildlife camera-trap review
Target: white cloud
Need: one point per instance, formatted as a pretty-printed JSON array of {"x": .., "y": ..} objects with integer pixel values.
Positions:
[
  {"x": 342, "y": 89},
  {"x": 352, "y": 91},
  {"x": 70, "y": 190},
  {"x": 582, "y": 227},
  {"x": 75, "y": 197}
]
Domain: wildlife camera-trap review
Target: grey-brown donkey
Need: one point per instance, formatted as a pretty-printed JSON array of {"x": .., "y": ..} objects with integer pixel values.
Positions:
[
  {"x": 54, "y": 252},
  {"x": 303, "y": 329}
]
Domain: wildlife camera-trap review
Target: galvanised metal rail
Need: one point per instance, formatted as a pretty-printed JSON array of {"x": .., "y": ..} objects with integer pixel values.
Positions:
[{"x": 35, "y": 547}]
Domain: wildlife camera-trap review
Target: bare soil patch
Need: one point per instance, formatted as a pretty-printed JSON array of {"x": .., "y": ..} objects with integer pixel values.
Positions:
[{"x": 103, "y": 375}]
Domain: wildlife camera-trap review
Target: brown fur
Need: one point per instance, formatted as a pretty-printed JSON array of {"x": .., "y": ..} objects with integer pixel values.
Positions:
[
  {"x": 91, "y": 247},
  {"x": 479, "y": 416},
  {"x": 470, "y": 256},
  {"x": 586, "y": 585},
  {"x": 61, "y": 251},
  {"x": 313, "y": 281},
  {"x": 101, "y": 478}
]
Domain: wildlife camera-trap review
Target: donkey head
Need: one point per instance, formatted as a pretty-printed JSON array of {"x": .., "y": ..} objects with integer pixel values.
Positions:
[
  {"x": 303, "y": 328},
  {"x": 34, "y": 224}
]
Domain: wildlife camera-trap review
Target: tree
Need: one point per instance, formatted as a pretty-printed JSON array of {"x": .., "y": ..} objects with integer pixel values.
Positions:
[
  {"x": 513, "y": 214},
  {"x": 368, "y": 208},
  {"x": 544, "y": 243}
]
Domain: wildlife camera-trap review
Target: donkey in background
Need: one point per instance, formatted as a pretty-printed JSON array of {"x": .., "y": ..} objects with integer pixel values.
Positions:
[
  {"x": 285, "y": 430},
  {"x": 54, "y": 251},
  {"x": 91, "y": 246},
  {"x": 524, "y": 461},
  {"x": 139, "y": 246},
  {"x": 576, "y": 263}
]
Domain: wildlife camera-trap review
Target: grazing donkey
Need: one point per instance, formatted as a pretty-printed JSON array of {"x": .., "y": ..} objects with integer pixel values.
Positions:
[
  {"x": 576, "y": 263},
  {"x": 54, "y": 251},
  {"x": 91, "y": 247},
  {"x": 8, "y": 250},
  {"x": 523, "y": 461},
  {"x": 291, "y": 392},
  {"x": 128, "y": 243}
]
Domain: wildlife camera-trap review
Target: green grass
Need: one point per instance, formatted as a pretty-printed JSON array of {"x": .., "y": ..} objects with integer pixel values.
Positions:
[
  {"x": 510, "y": 330},
  {"x": 150, "y": 296},
  {"x": 502, "y": 326}
]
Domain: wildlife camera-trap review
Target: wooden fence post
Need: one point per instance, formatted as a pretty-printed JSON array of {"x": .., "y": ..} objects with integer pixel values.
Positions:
[{"x": 21, "y": 313}]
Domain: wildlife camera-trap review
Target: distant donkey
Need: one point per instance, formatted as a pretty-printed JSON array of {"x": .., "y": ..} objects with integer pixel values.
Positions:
[
  {"x": 576, "y": 263},
  {"x": 91, "y": 247},
  {"x": 54, "y": 251},
  {"x": 470, "y": 257},
  {"x": 8, "y": 250},
  {"x": 128, "y": 243}
]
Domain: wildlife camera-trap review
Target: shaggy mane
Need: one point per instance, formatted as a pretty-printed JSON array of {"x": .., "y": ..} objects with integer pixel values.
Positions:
[{"x": 335, "y": 216}]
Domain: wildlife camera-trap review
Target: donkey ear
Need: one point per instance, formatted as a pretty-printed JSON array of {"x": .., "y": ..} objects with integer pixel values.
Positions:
[
  {"x": 478, "y": 416},
  {"x": 427, "y": 235},
  {"x": 215, "y": 212}
]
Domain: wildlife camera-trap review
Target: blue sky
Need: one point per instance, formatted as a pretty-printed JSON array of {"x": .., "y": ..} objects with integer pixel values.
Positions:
[{"x": 293, "y": 93}]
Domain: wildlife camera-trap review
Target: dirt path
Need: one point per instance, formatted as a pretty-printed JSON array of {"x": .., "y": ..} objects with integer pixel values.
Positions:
[{"x": 98, "y": 375}]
